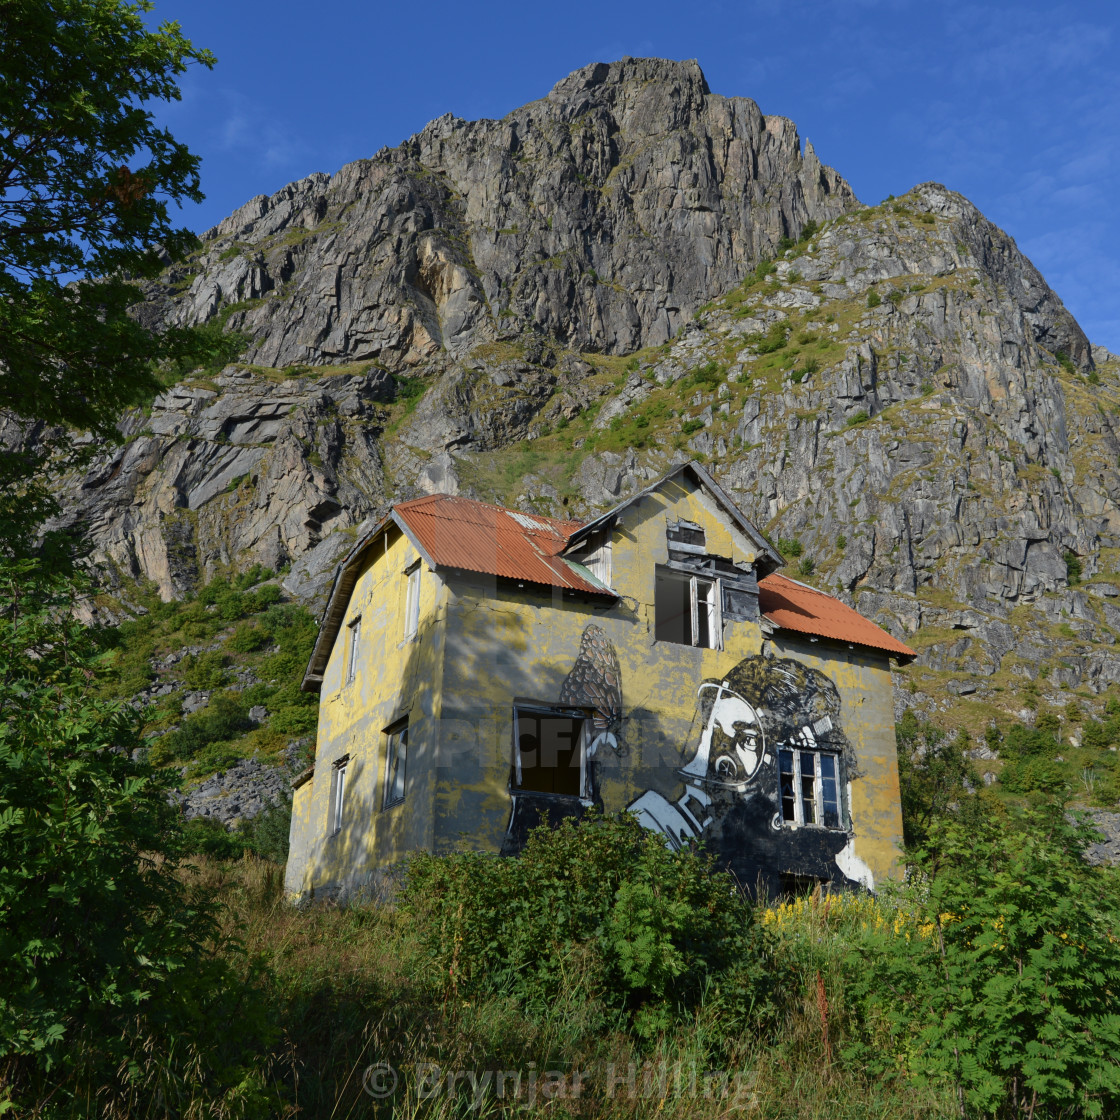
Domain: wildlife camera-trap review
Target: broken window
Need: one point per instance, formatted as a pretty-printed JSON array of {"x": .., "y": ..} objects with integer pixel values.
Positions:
[
  {"x": 338, "y": 796},
  {"x": 810, "y": 788},
  {"x": 548, "y": 751},
  {"x": 354, "y": 641},
  {"x": 687, "y": 610},
  {"x": 396, "y": 756},
  {"x": 412, "y": 601},
  {"x": 684, "y": 536},
  {"x": 595, "y": 555}
]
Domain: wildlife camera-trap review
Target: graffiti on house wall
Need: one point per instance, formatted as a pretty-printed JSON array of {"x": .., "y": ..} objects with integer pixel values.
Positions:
[
  {"x": 765, "y": 781},
  {"x": 595, "y": 681},
  {"x": 762, "y": 780}
]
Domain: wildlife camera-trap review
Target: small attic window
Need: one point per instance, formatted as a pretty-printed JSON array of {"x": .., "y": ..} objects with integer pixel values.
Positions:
[
  {"x": 595, "y": 555},
  {"x": 684, "y": 536}
]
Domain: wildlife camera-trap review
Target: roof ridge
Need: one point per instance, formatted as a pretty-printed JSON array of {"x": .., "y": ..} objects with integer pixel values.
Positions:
[{"x": 509, "y": 510}]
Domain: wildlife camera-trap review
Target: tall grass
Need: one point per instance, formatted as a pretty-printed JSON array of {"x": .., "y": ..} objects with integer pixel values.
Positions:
[{"x": 349, "y": 988}]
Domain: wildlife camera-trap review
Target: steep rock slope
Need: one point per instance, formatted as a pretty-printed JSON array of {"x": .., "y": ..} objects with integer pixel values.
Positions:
[
  {"x": 601, "y": 215},
  {"x": 553, "y": 308}
]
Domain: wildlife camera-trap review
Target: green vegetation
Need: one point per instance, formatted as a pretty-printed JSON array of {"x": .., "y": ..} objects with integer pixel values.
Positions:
[
  {"x": 244, "y": 628},
  {"x": 117, "y": 980},
  {"x": 1073, "y": 568},
  {"x": 873, "y": 298},
  {"x": 789, "y": 546}
]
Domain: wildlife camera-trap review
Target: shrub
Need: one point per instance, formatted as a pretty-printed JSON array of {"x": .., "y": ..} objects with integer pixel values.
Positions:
[
  {"x": 860, "y": 417},
  {"x": 806, "y": 568},
  {"x": 774, "y": 339},
  {"x": 1006, "y": 987},
  {"x": 789, "y": 546},
  {"x": 809, "y": 229},
  {"x": 224, "y": 718},
  {"x": 110, "y": 986},
  {"x": 247, "y": 638},
  {"x": 707, "y": 376},
  {"x": 645, "y": 931},
  {"x": 1073, "y": 568},
  {"x": 204, "y": 670},
  {"x": 693, "y": 425},
  {"x": 873, "y": 298}
]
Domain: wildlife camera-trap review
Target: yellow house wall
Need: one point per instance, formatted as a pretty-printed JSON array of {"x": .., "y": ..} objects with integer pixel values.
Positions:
[
  {"x": 394, "y": 678},
  {"x": 483, "y": 643}
]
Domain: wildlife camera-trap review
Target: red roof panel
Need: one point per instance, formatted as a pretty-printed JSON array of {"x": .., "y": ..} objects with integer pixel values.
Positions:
[
  {"x": 476, "y": 537},
  {"x": 795, "y": 606}
]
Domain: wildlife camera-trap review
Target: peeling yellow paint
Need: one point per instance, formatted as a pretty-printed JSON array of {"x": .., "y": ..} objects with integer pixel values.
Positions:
[{"x": 483, "y": 642}]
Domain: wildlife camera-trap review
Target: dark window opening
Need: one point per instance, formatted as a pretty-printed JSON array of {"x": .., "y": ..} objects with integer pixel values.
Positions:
[
  {"x": 396, "y": 758},
  {"x": 686, "y": 534},
  {"x": 687, "y": 610},
  {"x": 794, "y": 886},
  {"x": 549, "y": 754}
]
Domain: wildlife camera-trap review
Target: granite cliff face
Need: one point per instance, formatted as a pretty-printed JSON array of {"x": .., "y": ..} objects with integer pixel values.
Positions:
[
  {"x": 600, "y": 216},
  {"x": 552, "y": 308}
]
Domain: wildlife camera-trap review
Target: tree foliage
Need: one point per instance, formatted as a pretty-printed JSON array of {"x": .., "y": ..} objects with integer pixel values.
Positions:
[
  {"x": 604, "y": 904},
  {"x": 86, "y": 181},
  {"x": 103, "y": 947},
  {"x": 934, "y": 774}
]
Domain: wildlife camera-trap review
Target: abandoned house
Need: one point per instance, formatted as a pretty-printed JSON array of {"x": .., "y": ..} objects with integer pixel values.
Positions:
[{"x": 483, "y": 670}]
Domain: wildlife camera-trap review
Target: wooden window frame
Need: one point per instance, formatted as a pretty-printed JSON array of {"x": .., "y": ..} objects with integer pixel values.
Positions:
[
  {"x": 393, "y": 742},
  {"x": 796, "y": 755}
]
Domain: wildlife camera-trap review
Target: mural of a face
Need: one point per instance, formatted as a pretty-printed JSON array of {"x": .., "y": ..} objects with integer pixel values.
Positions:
[
  {"x": 762, "y": 707},
  {"x": 732, "y": 745}
]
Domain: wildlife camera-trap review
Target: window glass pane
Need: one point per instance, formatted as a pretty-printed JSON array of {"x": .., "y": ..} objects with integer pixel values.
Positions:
[
  {"x": 412, "y": 603},
  {"x": 705, "y": 609},
  {"x": 830, "y": 800},
  {"x": 338, "y": 794},
  {"x": 355, "y": 642},
  {"x": 789, "y": 811},
  {"x": 673, "y": 609},
  {"x": 808, "y": 784},
  {"x": 395, "y": 768}
]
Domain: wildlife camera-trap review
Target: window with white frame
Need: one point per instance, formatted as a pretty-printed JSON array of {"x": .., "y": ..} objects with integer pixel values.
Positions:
[
  {"x": 353, "y": 648},
  {"x": 338, "y": 796},
  {"x": 810, "y": 788},
  {"x": 548, "y": 750},
  {"x": 687, "y": 609},
  {"x": 412, "y": 601},
  {"x": 396, "y": 758}
]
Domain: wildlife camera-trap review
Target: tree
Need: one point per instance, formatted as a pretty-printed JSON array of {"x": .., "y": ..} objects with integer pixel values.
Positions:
[
  {"x": 86, "y": 179},
  {"x": 934, "y": 775},
  {"x": 105, "y": 952}
]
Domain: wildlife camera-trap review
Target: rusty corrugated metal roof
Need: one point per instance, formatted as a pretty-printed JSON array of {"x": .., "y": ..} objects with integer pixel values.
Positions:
[
  {"x": 476, "y": 537},
  {"x": 796, "y": 606}
]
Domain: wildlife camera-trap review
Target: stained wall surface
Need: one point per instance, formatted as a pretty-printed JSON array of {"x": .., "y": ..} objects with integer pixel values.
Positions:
[{"x": 687, "y": 738}]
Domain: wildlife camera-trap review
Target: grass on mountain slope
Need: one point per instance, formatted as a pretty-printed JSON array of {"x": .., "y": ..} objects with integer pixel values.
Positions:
[{"x": 236, "y": 639}]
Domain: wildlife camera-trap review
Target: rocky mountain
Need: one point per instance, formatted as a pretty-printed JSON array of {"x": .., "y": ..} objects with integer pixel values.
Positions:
[{"x": 552, "y": 308}]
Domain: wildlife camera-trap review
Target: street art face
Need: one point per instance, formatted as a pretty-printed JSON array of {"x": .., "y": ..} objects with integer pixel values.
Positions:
[{"x": 762, "y": 782}]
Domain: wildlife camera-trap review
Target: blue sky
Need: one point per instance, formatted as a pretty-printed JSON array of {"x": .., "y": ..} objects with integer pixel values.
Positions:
[{"x": 1016, "y": 105}]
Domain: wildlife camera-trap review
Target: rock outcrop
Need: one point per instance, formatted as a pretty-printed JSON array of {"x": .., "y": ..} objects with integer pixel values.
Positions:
[
  {"x": 601, "y": 216},
  {"x": 552, "y": 308}
]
